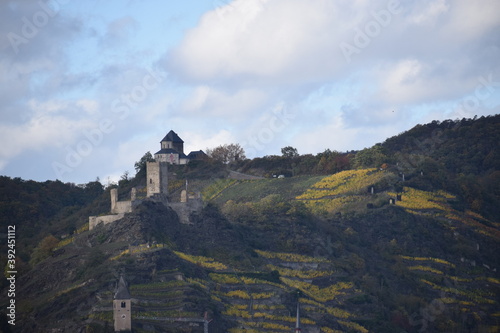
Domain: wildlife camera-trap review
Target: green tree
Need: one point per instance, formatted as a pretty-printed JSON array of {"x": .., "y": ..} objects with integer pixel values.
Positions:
[
  {"x": 140, "y": 166},
  {"x": 227, "y": 153},
  {"x": 94, "y": 189},
  {"x": 289, "y": 151},
  {"x": 370, "y": 157},
  {"x": 124, "y": 179}
]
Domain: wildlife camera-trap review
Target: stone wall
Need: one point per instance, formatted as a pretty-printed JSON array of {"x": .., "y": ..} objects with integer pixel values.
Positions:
[
  {"x": 123, "y": 207},
  {"x": 168, "y": 158},
  {"x": 118, "y": 208},
  {"x": 95, "y": 220},
  {"x": 185, "y": 209}
]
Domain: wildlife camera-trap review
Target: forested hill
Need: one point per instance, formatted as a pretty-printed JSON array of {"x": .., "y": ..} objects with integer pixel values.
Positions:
[
  {"x": 467, "y": 146},
  {"x": 41, "y": 208},
  {"x": 460, "y": 156},
  {"x": 400, "y": 237}
]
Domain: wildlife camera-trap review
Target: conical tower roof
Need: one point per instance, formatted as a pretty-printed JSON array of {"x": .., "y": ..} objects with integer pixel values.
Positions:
[
  {"x": 172, "y": 137},
  {"x": 122, "y": 289}
]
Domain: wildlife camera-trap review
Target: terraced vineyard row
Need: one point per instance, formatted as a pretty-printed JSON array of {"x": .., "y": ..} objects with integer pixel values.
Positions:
[
  {"x": 436, "y": 204},
  {"x": 468, "y": 294},
  {"x": 256, "y": 305},
  {"x": 341, "y": 190},
  {"x": 161, "y": 299}
]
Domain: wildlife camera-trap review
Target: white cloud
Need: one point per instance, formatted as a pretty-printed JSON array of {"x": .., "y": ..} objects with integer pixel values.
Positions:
[
  {"x": 118, "y": 31},
  {"x": 289, "y": 49},
  {"x": 337, "y": 135},
  {"x": 197, "y": 99},
  {"x": 90, "y": 107},
  {"x": 428, "y": 12},
  {"x": 131, "y": 150},
  {"x": 293, "y": 46},
  {"x": 208, "y": 100},
  {"x": 262, "y": 40},
  {"x": 470, "y": 19},
  {"x": 202, "y": 140},
  {"x": 46, "y": 128}
]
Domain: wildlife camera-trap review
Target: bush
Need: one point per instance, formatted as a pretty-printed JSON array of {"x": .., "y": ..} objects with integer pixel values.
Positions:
[{"x": 44, "y": 249}]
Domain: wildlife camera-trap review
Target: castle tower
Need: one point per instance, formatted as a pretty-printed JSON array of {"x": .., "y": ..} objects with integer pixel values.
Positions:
[
  {"x": 114, "y": 200},
  {"x": 156, "y": 178},
  {"x": 173, "y": 141},
  {"x": 122, "y": 311},
  {"x": 172, "y": 150}
]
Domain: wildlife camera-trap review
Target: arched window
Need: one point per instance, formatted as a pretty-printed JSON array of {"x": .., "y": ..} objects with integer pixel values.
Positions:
[
  {"x": 124, "y": 305},
  {"x": 151, "y": 180}
]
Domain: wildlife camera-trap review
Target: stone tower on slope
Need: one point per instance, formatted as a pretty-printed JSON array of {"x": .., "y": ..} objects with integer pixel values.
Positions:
[
  {"x": 157, "y": 178},
  {"x": 122, "y": 311}
]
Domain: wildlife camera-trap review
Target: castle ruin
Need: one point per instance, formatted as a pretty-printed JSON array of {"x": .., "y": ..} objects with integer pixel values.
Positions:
[
  {"x": 172, "y": 152},
  {"x": 118, "y": 208}
]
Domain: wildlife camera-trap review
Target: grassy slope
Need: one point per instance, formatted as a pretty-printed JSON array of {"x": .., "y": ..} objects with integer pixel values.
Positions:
[
  {"x": 254, "y": 190},
  {"x": 464, "y": 289}
]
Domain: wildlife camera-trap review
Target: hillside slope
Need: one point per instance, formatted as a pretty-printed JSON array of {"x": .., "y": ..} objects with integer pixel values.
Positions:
[
  {"x": 365, "y": 269},
  {"x": 362, "y": 250}
]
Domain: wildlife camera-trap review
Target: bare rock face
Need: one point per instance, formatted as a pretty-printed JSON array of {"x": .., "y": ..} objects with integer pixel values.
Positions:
[{"x": 150, "y": 221}]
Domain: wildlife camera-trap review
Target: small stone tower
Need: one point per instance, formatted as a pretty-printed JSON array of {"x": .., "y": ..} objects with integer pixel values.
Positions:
[
  {"x": 122, "y": 312},
  {"x": 157, "y": 178}
]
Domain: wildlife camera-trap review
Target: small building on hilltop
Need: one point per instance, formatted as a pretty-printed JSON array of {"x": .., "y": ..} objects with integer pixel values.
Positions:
[
  {"x": 172, "y": 151},
  {"x": 197, "y": 155}
]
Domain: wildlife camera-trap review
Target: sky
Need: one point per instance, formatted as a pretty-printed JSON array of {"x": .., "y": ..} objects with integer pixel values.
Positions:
[{"x": 88, "y": 87}]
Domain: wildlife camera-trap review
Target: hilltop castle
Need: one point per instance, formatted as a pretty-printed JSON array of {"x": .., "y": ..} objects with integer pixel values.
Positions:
[{"x": 171, "y": 152}]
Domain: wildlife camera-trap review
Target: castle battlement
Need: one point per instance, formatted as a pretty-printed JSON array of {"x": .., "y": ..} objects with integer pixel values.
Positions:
[
  {"x": 172, "y": 152},
  {"x": 118, "y": 208}
]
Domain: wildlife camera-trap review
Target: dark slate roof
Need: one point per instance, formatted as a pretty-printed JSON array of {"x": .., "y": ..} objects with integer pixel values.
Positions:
[
  {"x": 122, "y": 289},
  {"x": 170, "y": 151},
  {"x": 172, "y": 137},
  {"x": 196, "y": 153}
]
